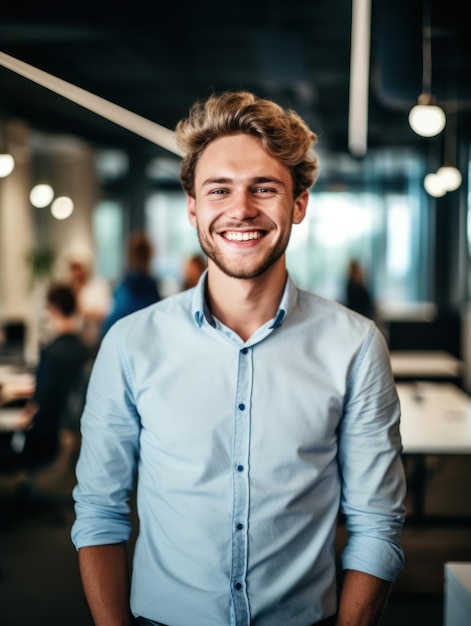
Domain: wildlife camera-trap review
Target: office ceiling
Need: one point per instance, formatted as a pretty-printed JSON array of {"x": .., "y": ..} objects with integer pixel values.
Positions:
[{"x": 156, "y": 59}]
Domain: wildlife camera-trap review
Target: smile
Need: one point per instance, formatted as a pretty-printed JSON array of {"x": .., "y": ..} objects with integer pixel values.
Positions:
[{"x": 238, "y": 236}]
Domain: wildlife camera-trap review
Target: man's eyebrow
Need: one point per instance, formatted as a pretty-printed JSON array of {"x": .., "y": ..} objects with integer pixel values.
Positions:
[
  {"x": 220, "y": 180},
  {"x": 268, "y": 179},
  {"x": 256, "y": 180}
]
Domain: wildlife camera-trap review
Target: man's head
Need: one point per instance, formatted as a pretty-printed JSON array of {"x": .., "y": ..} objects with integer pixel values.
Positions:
[
  {"x": 80, "y": 271},
  {"x": 61, "y": 300},
  {"x": 283, "y": 133},
  {"x": 140, "y": 251},
  {"x": 248, "y": 167}
]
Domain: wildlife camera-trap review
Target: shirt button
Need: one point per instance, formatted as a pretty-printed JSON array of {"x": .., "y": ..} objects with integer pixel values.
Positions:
[
  {"x": 244, "y": 350},
  {"x": 242, "y": 406},
  {"x": 239, "y": 526},
  {"x": 238, "y": 586},
  {"x": 240, "y": 468}
]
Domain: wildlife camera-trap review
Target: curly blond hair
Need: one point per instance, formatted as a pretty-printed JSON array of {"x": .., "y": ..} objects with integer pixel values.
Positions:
[{"x": 283, "y": 133}]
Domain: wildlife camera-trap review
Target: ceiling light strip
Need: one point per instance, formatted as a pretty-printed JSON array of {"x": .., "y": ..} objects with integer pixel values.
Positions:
[
  {"x": 137, "y": 124},
  {"x": 359, "y": 77}
]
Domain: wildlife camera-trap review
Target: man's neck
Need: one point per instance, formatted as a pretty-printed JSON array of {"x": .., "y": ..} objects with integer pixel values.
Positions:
[
  {"x": 244, "y": 305},
  {"x": 65, "y": 325}
]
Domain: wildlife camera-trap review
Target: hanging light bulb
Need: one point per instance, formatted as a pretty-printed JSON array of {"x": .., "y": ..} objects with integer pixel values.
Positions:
[
  {"x": 41, "y": 195},
  {"x": 450, "y": 176},
  {"x": 434, "y": 186},
  {"x": 62, "y": 207},
  {"x": 7, "y": 163},
  {"x": 426, "y": 118}
]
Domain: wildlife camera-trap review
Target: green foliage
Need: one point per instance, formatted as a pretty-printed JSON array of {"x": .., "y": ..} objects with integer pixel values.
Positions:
[{"x": 41, "y": 261}]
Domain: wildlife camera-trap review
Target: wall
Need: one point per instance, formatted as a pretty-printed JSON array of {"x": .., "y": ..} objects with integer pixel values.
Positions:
[{"x": 23, "y": 227}]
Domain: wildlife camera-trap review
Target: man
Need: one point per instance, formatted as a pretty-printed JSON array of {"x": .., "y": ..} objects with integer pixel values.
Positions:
[
  {"x": 137, "y": 289},
  {"x": 61, "y": 377},
  {"x": 94, "y": 298},
  {"x": 252, "y": 411}
]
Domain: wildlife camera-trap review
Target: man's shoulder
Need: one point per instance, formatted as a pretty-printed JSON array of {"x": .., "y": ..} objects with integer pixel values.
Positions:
[
  {"x": 322, "y": 305},
  {"x": 333, "y": 316}
]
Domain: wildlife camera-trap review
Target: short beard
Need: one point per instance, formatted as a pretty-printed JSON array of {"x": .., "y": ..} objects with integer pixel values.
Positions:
[{"x": 272, "y": 256}]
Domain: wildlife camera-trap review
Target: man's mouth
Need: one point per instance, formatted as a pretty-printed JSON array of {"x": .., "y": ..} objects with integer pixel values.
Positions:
[{"x": 233, "y": 235}]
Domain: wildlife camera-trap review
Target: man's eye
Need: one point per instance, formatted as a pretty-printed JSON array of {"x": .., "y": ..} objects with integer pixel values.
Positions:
[
  {"x": 263, "y": 190},
  {"x": 217, "y": 191}
]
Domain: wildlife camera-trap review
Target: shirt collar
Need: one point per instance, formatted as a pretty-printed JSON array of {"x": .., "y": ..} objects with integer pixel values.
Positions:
[{"x": 200, "y": 309}]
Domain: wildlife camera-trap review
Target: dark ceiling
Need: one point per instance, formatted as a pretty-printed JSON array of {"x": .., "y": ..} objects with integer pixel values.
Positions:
[{"x": 156, "y": 59}]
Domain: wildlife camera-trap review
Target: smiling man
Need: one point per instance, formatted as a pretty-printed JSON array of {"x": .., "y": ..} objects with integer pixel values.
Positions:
[{"x": 251, "y": 413}]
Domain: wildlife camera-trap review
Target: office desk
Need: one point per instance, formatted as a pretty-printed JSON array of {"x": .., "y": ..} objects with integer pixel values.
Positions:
[
  {"x": 435, "y": 420},
  {"x": 15, "y": 384},
  {"x": 457, "y": 594},
  {"x": 428, "y": 364},
  {"x": 10, "y": 419}
]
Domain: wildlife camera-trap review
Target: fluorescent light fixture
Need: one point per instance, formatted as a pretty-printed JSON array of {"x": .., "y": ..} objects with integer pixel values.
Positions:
[
  {"x": 359, "y": 77},
  {"x": 137, "y": 124}
]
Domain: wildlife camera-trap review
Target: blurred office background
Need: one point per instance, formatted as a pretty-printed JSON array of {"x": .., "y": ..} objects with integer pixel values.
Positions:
[
  {"x": 378, "y": 197},
  {"x": 369, "y": 202}
]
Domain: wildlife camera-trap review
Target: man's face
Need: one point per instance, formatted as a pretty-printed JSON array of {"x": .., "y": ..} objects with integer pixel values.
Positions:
[{"x": 243, "y": 207}]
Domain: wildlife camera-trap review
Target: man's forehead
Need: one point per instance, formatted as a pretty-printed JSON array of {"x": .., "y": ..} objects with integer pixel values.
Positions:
[{"x": 239, "y": 155}]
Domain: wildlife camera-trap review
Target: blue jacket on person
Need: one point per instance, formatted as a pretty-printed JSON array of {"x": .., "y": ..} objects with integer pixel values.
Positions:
[{"x": 136, "y": 291}]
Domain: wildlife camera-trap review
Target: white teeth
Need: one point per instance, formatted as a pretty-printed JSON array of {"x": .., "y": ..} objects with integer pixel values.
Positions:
[{"x": 236, "y": 236}]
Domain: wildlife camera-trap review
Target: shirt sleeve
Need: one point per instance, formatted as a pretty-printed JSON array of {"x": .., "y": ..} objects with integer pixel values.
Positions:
[
  {"x": 107, "y": 462},
  {"x": 373, "y": 480}
]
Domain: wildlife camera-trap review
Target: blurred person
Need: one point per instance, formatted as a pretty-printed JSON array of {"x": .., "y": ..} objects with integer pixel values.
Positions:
[
  {"x": 358, "y": 296},
  {"x": 94, "y": 298},
  {"x": 137, "y": 289},
  {"x": 251, "y": 412},
  {"x": 193, "y": 267},
  {"x": 60, "y": 371}
]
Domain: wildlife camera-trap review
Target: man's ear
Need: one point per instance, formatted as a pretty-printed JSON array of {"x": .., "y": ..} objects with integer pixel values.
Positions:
[
  {"x": 300, "y": 206},
  {"x": 191, "y": 209}
]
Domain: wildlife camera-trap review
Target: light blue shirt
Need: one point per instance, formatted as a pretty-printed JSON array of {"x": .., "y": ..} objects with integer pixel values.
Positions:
[{"x": 244, "y": 451}]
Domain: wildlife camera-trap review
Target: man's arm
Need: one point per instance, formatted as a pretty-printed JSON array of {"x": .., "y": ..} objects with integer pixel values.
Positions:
[
  {"x": 362, "y": 599},
  {"x": 105, "y": 579}
]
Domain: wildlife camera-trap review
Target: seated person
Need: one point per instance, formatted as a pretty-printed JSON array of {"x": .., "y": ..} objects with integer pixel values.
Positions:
[{"x": 61, "y": 368}]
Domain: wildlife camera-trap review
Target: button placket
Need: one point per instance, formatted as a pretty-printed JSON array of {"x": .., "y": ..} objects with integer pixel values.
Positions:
[{"x": 241, "y": 488}]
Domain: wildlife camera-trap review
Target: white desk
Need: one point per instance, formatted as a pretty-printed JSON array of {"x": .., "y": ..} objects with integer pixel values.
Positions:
[
  {"x": 457, "y": 594},
  {"x": 425, "y": 364},
  {"x": 13, "y": 375},
  {"x": 10, "y": 419},
  {"x": 15, "y": 383},
  {"x": 435, "y": 419}
]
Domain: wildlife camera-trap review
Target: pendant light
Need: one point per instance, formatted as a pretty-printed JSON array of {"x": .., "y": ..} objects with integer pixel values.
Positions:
[
  {"x": 7, "y": 162},
  {"x": 448, "y": 177},
  {"x": 42, "y": 193},
  {"x": 62, "y": 206},
  {"x": 426, "y": 118},
  {"x": 449, "y": 173}
]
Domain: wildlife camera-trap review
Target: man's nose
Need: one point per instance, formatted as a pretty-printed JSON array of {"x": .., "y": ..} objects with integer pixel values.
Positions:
[{"x": 243, "y": 205}]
